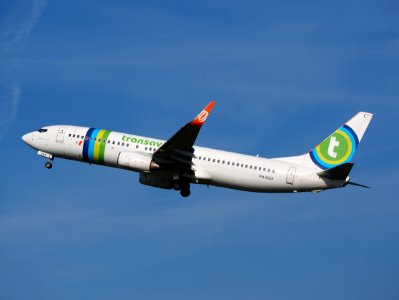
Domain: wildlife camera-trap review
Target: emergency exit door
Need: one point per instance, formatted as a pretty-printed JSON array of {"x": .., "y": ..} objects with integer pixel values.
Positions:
[
  {"x": 60, "y": 134},
  {"x": 291, "y": 175}
]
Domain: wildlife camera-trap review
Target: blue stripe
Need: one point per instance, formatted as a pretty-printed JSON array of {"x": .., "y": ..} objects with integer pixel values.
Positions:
[
  {"x": 353, "y": 138},
  {"x": 90, "y": 153},
  {"x": 317, "y": 161},
  {"x": 352, "y": 133},
  {"x": 86, "y": 145}
]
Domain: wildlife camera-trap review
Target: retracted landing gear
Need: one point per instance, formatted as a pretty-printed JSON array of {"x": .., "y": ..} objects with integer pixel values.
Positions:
[
  {"x": 176, "y": 184},
  {"x": 185, "y": 189},
  {"x": 182, "y": 186}
]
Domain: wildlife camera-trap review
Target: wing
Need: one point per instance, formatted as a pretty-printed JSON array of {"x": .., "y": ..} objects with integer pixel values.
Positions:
[{"x": 177, "y": 152}]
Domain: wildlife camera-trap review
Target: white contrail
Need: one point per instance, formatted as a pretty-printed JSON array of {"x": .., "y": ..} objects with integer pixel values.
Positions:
[
  {"x": 14, "y": 34},
  {"x": 19, "y": 30},
  {"x": 9, "y": 108}
]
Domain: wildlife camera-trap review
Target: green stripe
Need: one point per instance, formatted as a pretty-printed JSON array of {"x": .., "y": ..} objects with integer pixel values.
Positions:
[{"x": 103, "y": 145}]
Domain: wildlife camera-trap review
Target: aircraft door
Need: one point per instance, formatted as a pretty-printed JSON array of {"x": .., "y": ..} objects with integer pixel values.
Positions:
[
  {"x": 291, "y": 175},
  {"x": 60, "y": 134}
]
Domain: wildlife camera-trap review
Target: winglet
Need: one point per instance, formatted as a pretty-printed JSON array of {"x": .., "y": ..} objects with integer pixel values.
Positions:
[{"x": 201, "y": 118}]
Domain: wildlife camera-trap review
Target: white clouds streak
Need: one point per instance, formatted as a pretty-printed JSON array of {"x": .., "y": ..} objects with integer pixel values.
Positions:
[
  {"x": 9, "y": 103},
  {"x": 16, "y": 29}
]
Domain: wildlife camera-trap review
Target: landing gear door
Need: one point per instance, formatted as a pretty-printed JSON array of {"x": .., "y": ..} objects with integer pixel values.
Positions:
[
  {"x": 291, "y": 175},
  {"x": 60, "y": 134}
]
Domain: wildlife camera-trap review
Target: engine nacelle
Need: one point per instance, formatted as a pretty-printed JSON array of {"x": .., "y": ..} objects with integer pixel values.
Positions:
[
  {"x": 159, "y": 180},
  {"x": 136, "y": 161}
]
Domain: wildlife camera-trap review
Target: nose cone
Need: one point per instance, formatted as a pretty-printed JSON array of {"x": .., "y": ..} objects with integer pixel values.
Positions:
[
  {"x": 28, "y": 138},
  {"x": 25, "y": 138}
]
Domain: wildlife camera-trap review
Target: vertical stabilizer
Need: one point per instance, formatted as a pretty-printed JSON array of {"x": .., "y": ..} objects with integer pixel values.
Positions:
[{"x": 339, "y": 147}]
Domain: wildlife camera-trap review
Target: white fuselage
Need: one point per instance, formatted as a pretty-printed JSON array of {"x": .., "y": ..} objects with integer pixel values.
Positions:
[{"x": 210, "y": 166}]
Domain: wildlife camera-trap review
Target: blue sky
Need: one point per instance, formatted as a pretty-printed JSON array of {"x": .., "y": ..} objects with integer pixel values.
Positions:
[{"x": 284, "y": 74}]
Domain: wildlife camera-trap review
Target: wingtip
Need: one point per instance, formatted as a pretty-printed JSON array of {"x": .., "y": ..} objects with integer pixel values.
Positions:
[
  {"x": 209, "y": 107},
  {"x": 203, "y": 115}
]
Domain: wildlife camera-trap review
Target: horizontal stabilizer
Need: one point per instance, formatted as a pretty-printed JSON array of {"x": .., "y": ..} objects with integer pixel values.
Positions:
[
  {"x": 358, "y": 184},
  {"x": 340, "y": 172}
]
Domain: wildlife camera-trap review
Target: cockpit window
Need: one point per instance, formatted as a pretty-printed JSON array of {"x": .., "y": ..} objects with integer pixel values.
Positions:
[{"x": 42, "y": 130}]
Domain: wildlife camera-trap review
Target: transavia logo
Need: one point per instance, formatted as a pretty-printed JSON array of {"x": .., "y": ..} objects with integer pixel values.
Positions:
[{"x": 337, "y": 149}]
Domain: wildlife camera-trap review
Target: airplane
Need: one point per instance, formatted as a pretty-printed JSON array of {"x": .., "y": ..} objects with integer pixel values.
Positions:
[{"x": 176, "y": 163}]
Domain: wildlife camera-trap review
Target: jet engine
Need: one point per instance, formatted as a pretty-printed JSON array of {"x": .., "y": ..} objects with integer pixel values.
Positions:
[
  {"x": 156, "y": 179},
  {"x": 136, "y": 161}
]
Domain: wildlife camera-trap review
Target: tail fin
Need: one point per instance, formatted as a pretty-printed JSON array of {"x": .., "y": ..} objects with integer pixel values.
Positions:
[{"x": 340, "y": 147}]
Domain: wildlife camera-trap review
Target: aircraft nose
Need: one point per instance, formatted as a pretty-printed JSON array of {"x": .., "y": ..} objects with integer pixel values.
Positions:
[{"x": 26, "y": 138}]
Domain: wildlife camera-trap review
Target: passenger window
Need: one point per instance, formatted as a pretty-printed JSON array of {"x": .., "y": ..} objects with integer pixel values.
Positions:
[
  {"x": 268, "y": 170},
  {"x": 209, "y": 159},
  {"x": 137, "y": 146},
  {"x": 113, "y": 142},
  {"x": 127, "y": 145},
  {"x": 223, "y": 162},
  {"x": 228, "y": 163},
  {"x": 73, "y": 136},
  {"x": 255, "y": 168},
  {"x": 69, "y": 135},
  {"x": 250, "y": 167},
  {"x": 246, "y": 166},
  {"x": 273, "y": 171}
]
